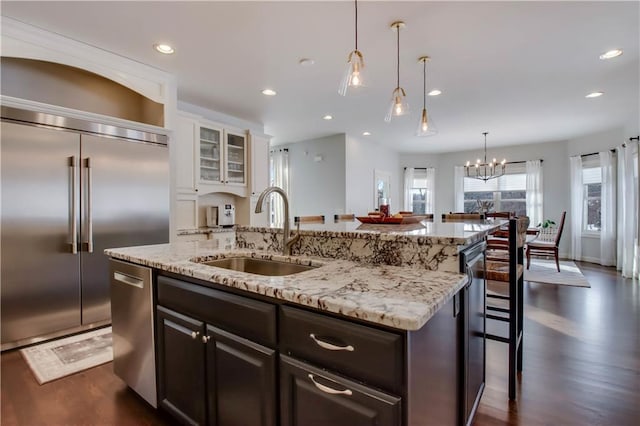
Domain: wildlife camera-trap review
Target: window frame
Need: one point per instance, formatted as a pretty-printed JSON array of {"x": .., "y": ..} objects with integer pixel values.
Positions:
[
  {"x": 512, "y": 169},
  {"x": 590, "y": 233}
]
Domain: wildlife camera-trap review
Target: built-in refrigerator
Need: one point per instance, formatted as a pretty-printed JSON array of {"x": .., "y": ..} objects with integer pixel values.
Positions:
[{"x": 70, "y": 189}]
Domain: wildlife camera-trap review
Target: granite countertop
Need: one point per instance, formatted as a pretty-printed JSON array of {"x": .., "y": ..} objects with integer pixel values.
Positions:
[
  {"x": 458, "y": 233},
  {"x": 205, "y": 230},
  {"x": 400, "y": 297}
]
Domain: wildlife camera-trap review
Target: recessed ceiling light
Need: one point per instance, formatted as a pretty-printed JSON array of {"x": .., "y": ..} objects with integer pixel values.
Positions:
[
  {"x": 269, "y": 92},
  {"x": 327, "y": 117},
  {"x": 164, "y": 48},
  {"x": 435, "y": 92},
  {"x": 306, "y": 62},
  {"x": 594, "y": 94},
  {"x": 613, "y": 53},
  {"x": 366, "y": 134}
]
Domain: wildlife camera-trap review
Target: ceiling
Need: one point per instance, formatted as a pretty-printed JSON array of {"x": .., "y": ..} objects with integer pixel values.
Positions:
[{"x": 519, "y": 70}]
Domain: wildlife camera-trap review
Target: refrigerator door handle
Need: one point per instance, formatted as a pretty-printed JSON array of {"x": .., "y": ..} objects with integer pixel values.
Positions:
[
  {"x": 89, "y": 206},
  {"x": 73, "y": 164}
]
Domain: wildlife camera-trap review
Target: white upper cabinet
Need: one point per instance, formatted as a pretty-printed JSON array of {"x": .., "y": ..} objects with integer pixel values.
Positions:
[
  {"x": 210, "y": 157},
  {"x": 259, "y": 163}
]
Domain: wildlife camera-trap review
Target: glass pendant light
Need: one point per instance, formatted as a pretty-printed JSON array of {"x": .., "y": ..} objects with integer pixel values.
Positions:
[
  {"x": 398, "y": 105},
  {"x": 354, "y": 75},
  {"x": 426, "y": 127}
]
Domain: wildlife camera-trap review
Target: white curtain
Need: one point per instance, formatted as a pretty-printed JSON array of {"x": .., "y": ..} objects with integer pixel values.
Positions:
[
  {"x": 408, "y": 184},
  {"x": 279, "y": 178},
  {"x": 627, "y": 261},
  {"x": 534, "y": 191},
  {"x": 458, "y": 188},
  {"x": 577, "y": 201},
  {"x": 608, "y": 210},
  {"x": 431, "y": 188}
]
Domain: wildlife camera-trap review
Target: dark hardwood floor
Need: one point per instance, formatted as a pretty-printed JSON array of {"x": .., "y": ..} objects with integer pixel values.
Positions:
[{"x": 581, "y": 367}]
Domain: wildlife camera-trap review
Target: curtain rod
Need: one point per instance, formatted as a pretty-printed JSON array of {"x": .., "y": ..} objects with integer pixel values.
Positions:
[
  {"x": 596, "y": 153},
  {"x": 520, "y": 162}
]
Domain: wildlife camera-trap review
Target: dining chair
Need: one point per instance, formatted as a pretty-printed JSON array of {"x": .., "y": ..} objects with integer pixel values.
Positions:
[
  {"x": 308, "y": 219},
  {"x": 546, "y": 248},
  {"x": 344, "y": 217}
]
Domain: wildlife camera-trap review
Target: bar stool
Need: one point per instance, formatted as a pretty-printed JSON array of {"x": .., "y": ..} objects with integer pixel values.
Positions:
[{"x": 510, "y": 271}]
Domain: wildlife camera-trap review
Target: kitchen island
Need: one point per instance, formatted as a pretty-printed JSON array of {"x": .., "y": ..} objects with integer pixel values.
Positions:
[{"x": 345, "y": 342}]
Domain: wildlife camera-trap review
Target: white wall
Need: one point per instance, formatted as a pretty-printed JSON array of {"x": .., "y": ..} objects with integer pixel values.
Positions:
[
  {"x": 317, "y": 176},
  {"x": 363, "y": 157}
]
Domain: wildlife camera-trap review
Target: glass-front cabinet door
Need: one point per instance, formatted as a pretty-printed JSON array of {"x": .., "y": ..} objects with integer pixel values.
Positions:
[
  {"x": 210, "y": 155},
  {"x": 235, "y": 158}
]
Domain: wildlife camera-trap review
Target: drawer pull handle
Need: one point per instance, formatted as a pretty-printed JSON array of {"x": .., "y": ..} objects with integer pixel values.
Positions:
[
  {"x": 194, "y": 334},
  {"x": 329, "y": 346},
  {"x": 327, "y": 389}
]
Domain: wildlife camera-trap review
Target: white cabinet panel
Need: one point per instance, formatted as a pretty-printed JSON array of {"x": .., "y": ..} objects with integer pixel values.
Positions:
[{"x": 186, "y": 211}]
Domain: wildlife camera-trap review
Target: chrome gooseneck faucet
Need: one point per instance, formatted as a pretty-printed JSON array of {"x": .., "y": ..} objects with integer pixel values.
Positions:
[{"x": 286, "y": 241}]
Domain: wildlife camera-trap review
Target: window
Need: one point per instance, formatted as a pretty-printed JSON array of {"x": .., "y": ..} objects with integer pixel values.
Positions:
[
  {"x": 507, "y": 193},
  {"x": 592, "y": 190},
  {"x": 418, "y": 192},
  {"x": 419, "y": 185}
]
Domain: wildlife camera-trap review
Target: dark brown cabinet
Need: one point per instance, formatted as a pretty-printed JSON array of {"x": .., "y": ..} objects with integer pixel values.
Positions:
[
  {"x": 241, "y": 381},
  {"x": 225, "y": 359},
  {"x": 314, "y": 397},
  {"x": 181, "y": 364},
  {"x": 209, "y": 375}
]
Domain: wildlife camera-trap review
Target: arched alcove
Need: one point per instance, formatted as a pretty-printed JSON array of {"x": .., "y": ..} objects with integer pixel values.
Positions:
[{"x": 74, "y": 88}]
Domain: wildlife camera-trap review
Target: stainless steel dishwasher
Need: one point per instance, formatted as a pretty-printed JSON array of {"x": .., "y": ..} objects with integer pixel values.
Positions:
[{"x": 132, "y": 322}]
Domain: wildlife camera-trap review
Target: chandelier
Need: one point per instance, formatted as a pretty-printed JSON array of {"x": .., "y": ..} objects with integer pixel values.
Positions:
[{"x": 483, "y": 170}]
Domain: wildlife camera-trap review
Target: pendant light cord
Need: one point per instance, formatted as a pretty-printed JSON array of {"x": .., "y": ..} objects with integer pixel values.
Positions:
[
  {"x": 398, "y": 58},
  {"x": 424, "y": 87},
  {"x": 356, "y": 24}
]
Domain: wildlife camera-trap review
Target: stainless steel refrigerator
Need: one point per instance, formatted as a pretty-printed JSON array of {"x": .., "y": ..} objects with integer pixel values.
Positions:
[{"x": 70, "y": 189}]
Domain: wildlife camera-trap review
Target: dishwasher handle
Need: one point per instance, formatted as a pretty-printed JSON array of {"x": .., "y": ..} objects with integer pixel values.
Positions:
[{"x": 128, "y": 279}]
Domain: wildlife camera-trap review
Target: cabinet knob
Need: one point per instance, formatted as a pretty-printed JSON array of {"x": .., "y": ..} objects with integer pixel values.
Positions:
[
  {"x": 205, "y": 339},
  {"x": 194, "y": 334}
]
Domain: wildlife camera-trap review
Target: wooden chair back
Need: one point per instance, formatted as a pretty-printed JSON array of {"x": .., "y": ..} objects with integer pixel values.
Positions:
[
  {"x": 344, "y": 217},
  {"x": 308, "y": 219},
  {"x": 560, "y": 228},
  {"x": 504, "y": 215},
  {"x": 461, "y": 217}
]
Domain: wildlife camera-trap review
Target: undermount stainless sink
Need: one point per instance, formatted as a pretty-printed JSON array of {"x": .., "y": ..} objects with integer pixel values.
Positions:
[{"x": 272, "y": 268}]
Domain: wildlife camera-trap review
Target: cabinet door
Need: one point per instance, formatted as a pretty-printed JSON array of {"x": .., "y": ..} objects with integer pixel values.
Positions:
[
  {"x": 235, "y": 159},
  {"x": 240, "y": 380},
  {"x": 210, "y": 152},
  {"x": 310, "y": 396},
  {"x": 259, "y": 164},
  {"x": 185, "y": 141},
  {"x": 181, "y": 368}
]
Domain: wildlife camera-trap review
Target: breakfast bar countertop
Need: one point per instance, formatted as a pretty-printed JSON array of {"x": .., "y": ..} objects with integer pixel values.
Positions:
[
  {"x": 400, "y": 297},
  {"x": 437, "y": 232}
]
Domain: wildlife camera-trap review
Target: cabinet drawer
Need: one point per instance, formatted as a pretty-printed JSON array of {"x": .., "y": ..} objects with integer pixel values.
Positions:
[
  {"x": 311, "y": 396},
  {"x": 358, "y": 351},
  {"x": 244, "y": 316}
]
